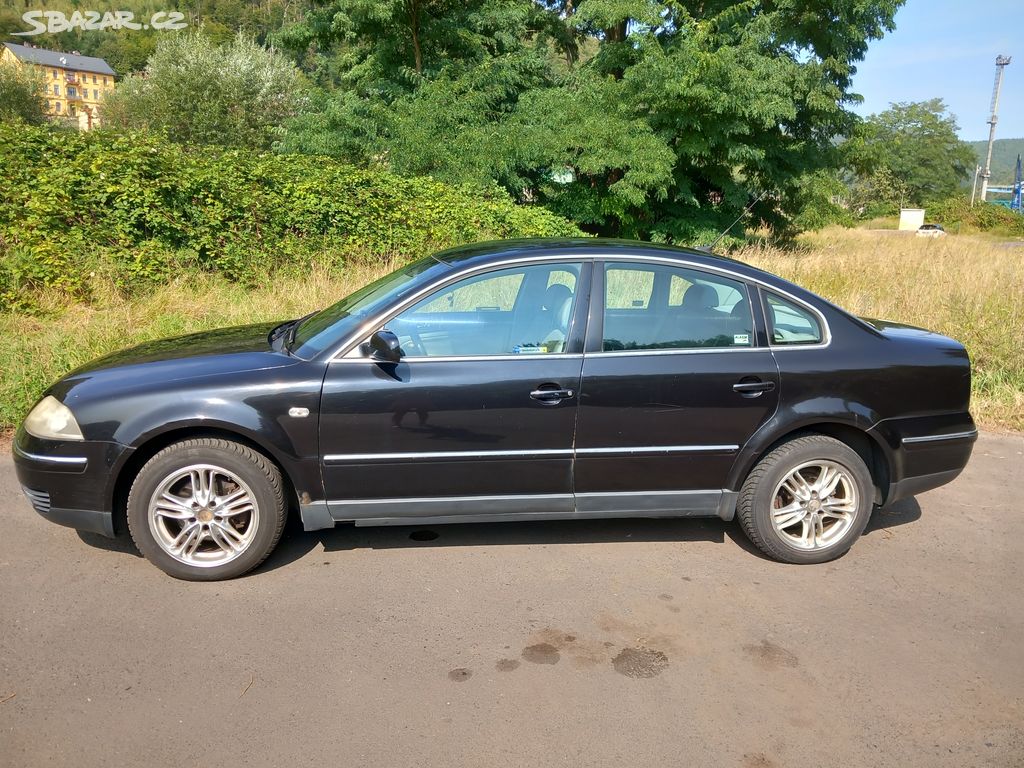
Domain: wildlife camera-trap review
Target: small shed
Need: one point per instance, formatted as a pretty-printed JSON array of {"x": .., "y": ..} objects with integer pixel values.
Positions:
[{"x": 911, "y": 219}]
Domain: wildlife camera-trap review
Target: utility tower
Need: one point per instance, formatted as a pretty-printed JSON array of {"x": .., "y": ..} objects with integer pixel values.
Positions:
[{"x": 1001, "y": 63}]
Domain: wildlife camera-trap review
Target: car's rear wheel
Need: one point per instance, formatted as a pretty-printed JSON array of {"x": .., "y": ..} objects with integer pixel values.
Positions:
[
  {"x": 207, "y": 509},
  {"x": 807, "y": 501}
]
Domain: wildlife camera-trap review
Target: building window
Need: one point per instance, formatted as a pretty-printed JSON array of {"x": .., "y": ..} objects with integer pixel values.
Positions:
[
  {"x": 95, "y": 95},
  {"x": 104, "y": 80},
  {"x": 71, "y": 110},
  {"x": 56, "y": 89},
  {"x": 72, "y": 92},
  {"x": 94, "y": 79},
  {"x": 55, "y": 74},
  {"x": 56, "y": 106}
]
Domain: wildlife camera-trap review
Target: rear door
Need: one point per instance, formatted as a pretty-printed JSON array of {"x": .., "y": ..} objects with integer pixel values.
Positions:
[{"x": 676, "y": 378}]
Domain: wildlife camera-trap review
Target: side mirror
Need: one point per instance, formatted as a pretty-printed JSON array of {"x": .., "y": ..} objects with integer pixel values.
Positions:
[{"x": 384, "y": 347}]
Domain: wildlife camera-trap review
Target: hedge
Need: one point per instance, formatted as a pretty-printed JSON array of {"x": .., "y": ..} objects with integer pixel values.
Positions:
[{"x": 140, "y": 210}]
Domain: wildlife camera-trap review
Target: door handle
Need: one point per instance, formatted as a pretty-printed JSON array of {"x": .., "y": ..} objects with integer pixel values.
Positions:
[
  {"x": 552, "y": 395},
  {"x": 753, "y": 388}
]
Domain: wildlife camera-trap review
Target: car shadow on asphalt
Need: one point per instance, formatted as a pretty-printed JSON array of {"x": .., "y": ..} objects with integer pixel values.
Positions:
[{"x": 296, "y": 543}]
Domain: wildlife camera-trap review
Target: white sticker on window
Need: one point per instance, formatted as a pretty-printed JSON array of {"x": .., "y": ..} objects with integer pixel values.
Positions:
[{"x": 741, "y": 338}]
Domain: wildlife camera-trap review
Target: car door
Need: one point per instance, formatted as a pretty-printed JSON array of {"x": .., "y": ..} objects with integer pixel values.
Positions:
[
  {"x": 477, "y": 419},
  {"x": 676, "y": 378}
]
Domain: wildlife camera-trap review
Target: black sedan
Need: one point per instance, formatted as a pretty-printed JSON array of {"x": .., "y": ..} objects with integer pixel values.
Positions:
[{"x": 520, "y": 380}]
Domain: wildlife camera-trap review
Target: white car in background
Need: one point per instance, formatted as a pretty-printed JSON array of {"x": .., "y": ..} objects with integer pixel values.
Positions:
[{"x": 931, "y": 230}]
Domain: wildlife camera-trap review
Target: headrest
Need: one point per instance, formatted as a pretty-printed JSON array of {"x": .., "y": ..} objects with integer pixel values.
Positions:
[
  {"x": 556, "y": 296},
  {"x": 700, "y": 296}
]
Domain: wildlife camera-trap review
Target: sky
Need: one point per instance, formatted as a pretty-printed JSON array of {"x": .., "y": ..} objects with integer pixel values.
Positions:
[{"x": 947, "y": 49}]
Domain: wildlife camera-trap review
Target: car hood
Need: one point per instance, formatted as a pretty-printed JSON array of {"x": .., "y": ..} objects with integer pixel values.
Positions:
[{"x": 224, "y": 350}]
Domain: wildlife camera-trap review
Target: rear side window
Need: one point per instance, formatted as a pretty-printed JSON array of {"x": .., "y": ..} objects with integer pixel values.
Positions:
[
  {"x": 790, "y": 323},
  {"x": 662, "y": 307}
]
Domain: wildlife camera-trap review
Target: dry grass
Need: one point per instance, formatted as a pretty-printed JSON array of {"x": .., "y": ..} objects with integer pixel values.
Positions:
[{"x": 968, "y": 288}]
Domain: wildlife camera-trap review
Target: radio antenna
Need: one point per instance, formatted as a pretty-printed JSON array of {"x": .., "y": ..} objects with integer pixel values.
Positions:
[{"x": 746, "y": 210}]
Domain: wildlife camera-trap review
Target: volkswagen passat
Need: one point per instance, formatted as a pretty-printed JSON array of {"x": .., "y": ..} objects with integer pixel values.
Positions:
[{"x": 521, "y": 380}]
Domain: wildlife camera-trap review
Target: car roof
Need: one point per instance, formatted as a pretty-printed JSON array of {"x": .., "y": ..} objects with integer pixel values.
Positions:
[{"x": 481, "y": 254}]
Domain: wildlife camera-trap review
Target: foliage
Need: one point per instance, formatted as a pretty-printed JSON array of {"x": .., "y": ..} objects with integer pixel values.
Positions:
[
  {"x": 657, "y": 120},
  {"x": 879, "y": 193},
  {"x": 21, "y": 94},
  {"x": 916, "y": 143},
  {"x": 1004, "y": 158},
  {"x": 137, "y": 210},
  {"x": 819, "y": 202},
  {"x": 235, "y": 95},
  {"x": 958, "y": 215}
]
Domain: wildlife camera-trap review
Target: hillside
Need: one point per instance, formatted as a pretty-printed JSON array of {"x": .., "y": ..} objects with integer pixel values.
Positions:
[{"x": 1004, "y": 157}]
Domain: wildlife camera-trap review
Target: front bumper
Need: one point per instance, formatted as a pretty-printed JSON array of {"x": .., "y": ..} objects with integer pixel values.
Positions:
[{"x": 70, "y": 482}]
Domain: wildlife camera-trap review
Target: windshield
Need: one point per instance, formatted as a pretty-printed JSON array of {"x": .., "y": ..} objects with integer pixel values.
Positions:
[{"x": 330, "y": 326}]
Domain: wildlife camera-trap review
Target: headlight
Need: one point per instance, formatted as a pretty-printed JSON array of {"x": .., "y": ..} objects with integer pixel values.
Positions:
[{"x": 52, "y": 420}]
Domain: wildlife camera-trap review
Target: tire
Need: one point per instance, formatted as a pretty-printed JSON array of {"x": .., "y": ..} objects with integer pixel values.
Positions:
[
  {"x": 805, "y": 527},
  {"x": 207, "y": 509}
]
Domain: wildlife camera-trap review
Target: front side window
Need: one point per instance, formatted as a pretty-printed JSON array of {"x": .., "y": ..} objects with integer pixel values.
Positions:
[
  {"x": 523, "y": 310},
  {"x": 649, "y": 306},
  {"x": 331, "y": 326},
  {"x": 790, "y": 323}
]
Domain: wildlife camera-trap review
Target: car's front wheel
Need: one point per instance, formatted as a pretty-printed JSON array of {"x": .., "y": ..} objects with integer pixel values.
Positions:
[
  {"x": 807, "y": 501},
  {"x": 207, "y": 509}
]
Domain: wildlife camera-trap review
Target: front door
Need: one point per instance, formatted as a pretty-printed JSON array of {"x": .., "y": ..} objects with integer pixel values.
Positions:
[
  {"x": 673, "y": 386},
  {"x": 477, "y": 420}
]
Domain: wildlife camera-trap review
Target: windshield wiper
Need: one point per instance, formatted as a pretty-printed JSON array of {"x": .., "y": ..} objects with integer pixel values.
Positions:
[{"x": 289, "y": 337}]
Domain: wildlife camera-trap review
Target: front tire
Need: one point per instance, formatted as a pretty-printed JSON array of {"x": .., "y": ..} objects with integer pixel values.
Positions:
[
  {"x": 207, "y": 509},
  {"x": 807, "y": 501}
]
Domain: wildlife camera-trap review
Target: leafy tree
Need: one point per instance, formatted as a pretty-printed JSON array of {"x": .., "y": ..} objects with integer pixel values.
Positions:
[
  {"x": 21, "y": 94},
  {"x": 641, "y": 118},
  {"x": 911, "y": 152},
  {"x": 237, "y": 94}
]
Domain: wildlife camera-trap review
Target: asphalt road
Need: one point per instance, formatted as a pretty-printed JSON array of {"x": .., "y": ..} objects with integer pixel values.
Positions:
[{"x": 626, "y": 643}]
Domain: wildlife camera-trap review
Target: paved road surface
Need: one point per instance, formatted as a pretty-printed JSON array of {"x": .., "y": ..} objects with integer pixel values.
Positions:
[{"x": 643, "y": 643}]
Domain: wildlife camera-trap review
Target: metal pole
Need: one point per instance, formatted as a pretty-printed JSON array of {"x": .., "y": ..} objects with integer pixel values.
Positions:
[
  {"x": 974, "y": 186},
  {"x": 1001, "y": 63}
]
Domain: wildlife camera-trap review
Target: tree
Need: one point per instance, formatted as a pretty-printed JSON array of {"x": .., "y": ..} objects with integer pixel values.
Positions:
[
  {"x": 238, "y": 94},
  {"x": 21, "y": 94},
  {"x": 909, "y": 152},
  {"x": 658, "y": 120}
]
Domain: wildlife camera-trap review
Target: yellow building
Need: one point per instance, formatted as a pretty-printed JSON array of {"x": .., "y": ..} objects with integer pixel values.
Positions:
[{"x": 75, "y": 84}]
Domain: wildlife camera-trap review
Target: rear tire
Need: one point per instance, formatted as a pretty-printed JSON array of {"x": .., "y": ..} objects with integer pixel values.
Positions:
[
  {"x": 807, "y": 501},
  {"x": 207, "y": 509}
]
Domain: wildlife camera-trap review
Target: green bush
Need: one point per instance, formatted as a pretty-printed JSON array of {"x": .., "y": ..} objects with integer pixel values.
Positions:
[
  {"x": 137, "y": 209},
  {"x": 957, "y": 214}
]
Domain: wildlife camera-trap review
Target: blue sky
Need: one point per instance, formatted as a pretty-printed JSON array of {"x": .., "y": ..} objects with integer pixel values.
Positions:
[{"x": 947, "y": 49}]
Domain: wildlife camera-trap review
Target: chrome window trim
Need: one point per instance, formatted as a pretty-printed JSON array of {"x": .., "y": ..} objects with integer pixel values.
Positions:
[
  {"x": 336, "y": 458},
  {"x": 680, "y": 351},
  {"x": 346, "y": 346},
  {"x": 50, "y": 459},
  {"x": 936, "y": 438}
]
